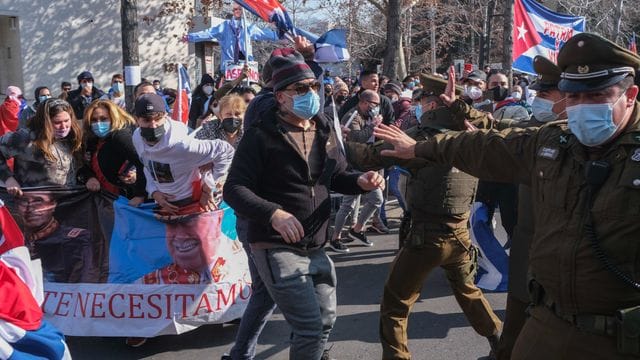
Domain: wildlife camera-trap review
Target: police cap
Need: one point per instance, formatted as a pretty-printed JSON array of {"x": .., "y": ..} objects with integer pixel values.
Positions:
[
  {"x": 548, "y": 74},
  {"x": 590, "y": 62},
  {"x": 434, "y": 86}
]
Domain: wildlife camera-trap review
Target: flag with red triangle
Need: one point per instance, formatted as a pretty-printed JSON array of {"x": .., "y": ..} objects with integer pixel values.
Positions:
[{"x": 540, "y": 31}]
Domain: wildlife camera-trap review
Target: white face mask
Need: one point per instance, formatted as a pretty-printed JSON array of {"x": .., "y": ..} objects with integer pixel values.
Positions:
[
  {"x": 208, "y": 89},
  {"x": 473, "y": 92},
  {"x": 516, "y": 95},
  {"x": 87, "y": 85}
]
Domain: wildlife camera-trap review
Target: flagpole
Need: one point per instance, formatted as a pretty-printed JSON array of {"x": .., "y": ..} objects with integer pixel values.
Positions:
[
  {"x": 245, "y": 27},
  {"x": 508, "y": 40},
  {"x": 180, "y": 93}
]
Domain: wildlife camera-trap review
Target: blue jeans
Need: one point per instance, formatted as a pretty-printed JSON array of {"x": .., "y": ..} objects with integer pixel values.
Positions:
[
  {"x": 303, "y": 285},
  {"x": 258, "y": 310},
  {"x": 394, "y": 188}
]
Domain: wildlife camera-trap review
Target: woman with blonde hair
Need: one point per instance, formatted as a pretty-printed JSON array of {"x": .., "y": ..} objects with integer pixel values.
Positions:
[
  {"x": 229, "y": 126},
  {"x": 111, "y": 156},
  {"x": 47, "y": 152}
]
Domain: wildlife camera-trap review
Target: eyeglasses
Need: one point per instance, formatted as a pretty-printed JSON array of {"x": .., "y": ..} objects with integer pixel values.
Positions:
[{"x": 303, "y": 88}]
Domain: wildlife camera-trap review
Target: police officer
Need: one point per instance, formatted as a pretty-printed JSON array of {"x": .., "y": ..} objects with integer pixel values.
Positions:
[
  {"x": 439, "y": 198},
  {"x": 585, "y": 180},
  {"x": 549, "y": 105},
  {"x": 65, "y": 251}
]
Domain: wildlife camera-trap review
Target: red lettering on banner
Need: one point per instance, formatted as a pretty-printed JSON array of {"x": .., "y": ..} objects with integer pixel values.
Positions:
[
  {"x": 226, "y": 299},
  {"x": 111, "y": 312},
  {"x": 242, "y": 287},
  {"x": 169, "y": 315},
  {"x": 97, "y": 305},
  {"x": 62, "y": 302},
  {"x": 207, "y": 305},
  {"x": 154, "y": 306},
  {"x": 46, "y": 297},
  {"x": 82, "y": 305},
  {"x": 133, "y": 306},
  {"x": 184, "y": 302}
]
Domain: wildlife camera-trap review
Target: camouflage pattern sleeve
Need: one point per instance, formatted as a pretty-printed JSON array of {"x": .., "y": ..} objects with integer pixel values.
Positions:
[{"x": 502, "y": 156}]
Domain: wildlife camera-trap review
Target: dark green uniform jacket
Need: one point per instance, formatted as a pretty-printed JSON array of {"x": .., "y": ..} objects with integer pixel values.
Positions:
[{"x": 551, "y": 160}]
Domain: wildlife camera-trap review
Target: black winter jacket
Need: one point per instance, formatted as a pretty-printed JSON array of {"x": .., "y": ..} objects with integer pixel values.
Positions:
[{"x": 269, "y": 173}]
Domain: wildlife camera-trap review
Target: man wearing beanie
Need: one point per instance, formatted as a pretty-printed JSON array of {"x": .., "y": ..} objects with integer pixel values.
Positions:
[
  {"x": 585, "y": 179},
  {"x": 86, "y": 92},
  {"x": 285, "y": 166}
]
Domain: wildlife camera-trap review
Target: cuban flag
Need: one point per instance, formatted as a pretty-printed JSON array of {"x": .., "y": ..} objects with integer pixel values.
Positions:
[
  {"x": 270, "y": 11},
  {"x": 540, "y": 31},
  {"x": 633, "y": 47},
  {"x": 331, "y": 47},
  {"x": 183, "y": 98},
  {"x": 23, "y": 332}
]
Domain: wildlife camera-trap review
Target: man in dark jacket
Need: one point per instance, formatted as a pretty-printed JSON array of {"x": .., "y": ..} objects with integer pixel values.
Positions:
[
  {"x": 81, "y": 97},
  {"x": 285, "y": 166},
  {"x": 369, "y": 81}
]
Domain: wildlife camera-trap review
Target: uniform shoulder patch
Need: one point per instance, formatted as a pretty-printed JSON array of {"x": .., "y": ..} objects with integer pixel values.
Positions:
[
  {"x": 636, "y": 155},
  {"x": 75, "y": 232},
  {"x": 547, "y": 152}
]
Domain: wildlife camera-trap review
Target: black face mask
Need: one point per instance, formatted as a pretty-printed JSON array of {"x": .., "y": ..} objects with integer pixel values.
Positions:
[
  {"x": 497, "y": 93},
  {"x": 340, "y": 98},
  {"x": 152, "y": 135},
  {"x": 231, "y": 125}
]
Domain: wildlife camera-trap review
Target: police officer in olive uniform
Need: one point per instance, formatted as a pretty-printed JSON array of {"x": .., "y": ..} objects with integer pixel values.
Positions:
[
  {"x": 585, "y": 180},
  {"x": 548, "y": 106},
  {"x": 439, "y": 200}
]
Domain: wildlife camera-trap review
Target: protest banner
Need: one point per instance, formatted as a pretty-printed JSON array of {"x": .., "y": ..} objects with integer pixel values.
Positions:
[
  {"x": 110, "y": 269},
  {"x": 233, "y": 70}
]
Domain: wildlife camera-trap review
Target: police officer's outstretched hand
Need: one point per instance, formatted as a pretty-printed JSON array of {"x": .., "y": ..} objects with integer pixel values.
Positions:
[
  {"x": 287, "y": 226},
  {"x": 449, "y": 95},
  {"x": 371, "y": 180},
  {"x": 13, "y": 187},
  {"x": 404, "y": 147}
]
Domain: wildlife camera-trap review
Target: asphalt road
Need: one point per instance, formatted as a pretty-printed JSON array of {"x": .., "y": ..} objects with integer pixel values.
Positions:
[{"x": 437, "y": 327}]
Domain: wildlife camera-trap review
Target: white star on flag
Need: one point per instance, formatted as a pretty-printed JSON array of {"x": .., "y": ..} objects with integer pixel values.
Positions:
[{"x": 522, "y": 31}]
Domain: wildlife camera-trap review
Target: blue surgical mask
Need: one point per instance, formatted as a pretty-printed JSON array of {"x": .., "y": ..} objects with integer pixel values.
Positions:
[
  {"x": 418, "y": 112},
  {"x": 542, "y": 109},
  {"x": 43, "y": 98},
  {"x": 306, "y": 106},
  {"x": 101, "y": 128},
  {"x": 118, "y": 87},
  {"x": 592, "y": 124}
]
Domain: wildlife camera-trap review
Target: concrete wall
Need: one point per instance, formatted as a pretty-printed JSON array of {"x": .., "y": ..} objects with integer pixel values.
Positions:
[
  {"x": 59, "y": 39},
  {"x": 10, "y": 57}
]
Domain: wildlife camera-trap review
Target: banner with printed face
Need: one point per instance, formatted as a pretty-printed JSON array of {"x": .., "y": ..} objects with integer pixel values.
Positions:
[{"x": 110, "y": 269}]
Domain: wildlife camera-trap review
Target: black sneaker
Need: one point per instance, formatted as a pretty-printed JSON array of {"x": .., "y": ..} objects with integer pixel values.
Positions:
[
  {"x": 338, "y": 247},
  {"x": 226, "y": 357},
  {"x": 360, "y": 236}
]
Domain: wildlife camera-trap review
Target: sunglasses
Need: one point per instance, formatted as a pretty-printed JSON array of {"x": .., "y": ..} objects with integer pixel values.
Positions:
[{"x": 303, "y": 88}]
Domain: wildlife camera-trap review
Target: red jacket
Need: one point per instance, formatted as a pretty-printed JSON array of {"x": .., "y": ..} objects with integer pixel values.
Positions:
[{"x": 9, "y": 116}]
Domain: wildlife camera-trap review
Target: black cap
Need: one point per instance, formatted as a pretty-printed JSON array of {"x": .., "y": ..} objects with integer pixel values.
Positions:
[
  {"x": 85, "y": 75},
  {"x": 148, "y": 104},
  {"x": 548, "y": 74},
  {"x": 590, "y": 62}
]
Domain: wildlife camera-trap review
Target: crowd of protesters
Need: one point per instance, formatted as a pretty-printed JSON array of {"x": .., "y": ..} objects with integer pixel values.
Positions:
[{"x": 315, "y": 135}]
